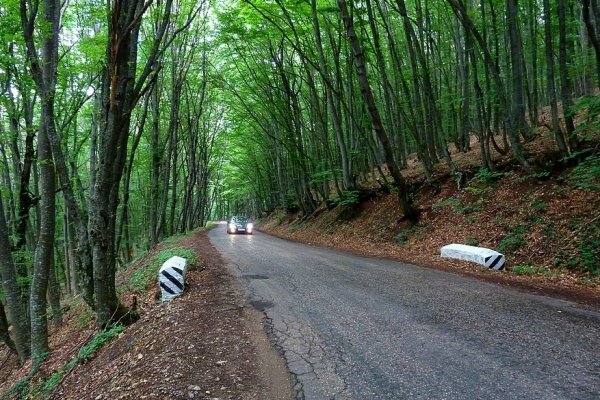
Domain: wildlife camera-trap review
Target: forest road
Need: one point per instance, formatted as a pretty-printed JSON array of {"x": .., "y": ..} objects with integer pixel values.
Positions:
[{"x": 353, "y": 327}]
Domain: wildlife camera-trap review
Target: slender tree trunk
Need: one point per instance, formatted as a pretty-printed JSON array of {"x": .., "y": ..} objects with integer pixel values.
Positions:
[
  {"x": 8, "y": 273},
  {"x": 54, "y": 295},
  {"x": 558, "y": 135},
  {"x": 565, "y": 83},
  {"x": 517, "y": 148},
  {"x": 592, "y": 33},
  {"x": 403, "y": 193},
  {"x": 44, "y": 76},
  {"x": 516, "y": 63},
  {"x": 44, "y": 254},
  {"x": 157, "y": 154},
  {"x": 4, "y": 335}
]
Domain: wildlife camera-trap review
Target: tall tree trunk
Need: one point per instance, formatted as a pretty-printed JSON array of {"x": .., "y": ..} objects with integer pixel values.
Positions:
[
  {"x": 120, "y": 93},
  {"x": 54, "y": 295},
  {"x": 592, "y": 33},
  {"x": 558, "y": 135},
  {"x": 12, "y": 292},
  {"x": 565, "y": 83},
  {"x": 403, "y": 191},
  {"x": 517, "y": 148},
  {"x": 4, "y": 335},
  {"x": 44, "y": 252},
  {"x": 516, "y": 62},
  {"x": 157, "y": 154},
  {"x": 44, "y": 76}
]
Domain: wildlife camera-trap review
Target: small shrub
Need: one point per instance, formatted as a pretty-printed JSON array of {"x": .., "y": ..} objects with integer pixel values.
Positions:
[
  {"x": 539, "y": 205},
  {"x": 514, "y": 239},
  {"x": 488, "y": 177},
  {"x": 586, "y": 175},
  {"x": 348, "y": 198},
  {"x": 405, "y": 234},
  {"x": 588, "y": 247}
]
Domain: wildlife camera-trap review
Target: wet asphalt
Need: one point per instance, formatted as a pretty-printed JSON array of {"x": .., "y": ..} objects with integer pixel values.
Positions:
[{"x": 352, "y": 327}]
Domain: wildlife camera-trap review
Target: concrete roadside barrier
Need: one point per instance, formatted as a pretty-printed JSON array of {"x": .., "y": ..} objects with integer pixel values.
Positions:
[
  {"x": 488, "y": 258},
  {"x": 171, "y": 277}
]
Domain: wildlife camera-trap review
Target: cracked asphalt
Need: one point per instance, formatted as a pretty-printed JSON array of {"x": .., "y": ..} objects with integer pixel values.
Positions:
[{"x": 352, "y": 327}]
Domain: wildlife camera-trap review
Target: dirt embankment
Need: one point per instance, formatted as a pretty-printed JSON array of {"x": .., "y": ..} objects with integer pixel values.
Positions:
[{"x": 205, "y": 344}]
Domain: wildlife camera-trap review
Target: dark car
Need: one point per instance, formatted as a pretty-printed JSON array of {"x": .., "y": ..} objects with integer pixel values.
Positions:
[{"x": 240, "y": 225}]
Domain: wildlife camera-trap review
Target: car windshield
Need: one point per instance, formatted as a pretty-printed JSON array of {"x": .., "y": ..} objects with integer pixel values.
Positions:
[{"x": 239, "y": 220}]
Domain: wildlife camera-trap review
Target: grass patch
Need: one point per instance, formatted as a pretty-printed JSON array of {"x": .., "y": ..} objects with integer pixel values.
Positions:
[
  {"x": 146, "y": 275},
  {"x": 43, "y": 389},
  {"x": 531, "y": 270},
  {"x": 405, "y": 234},
  {"x": 449, "y": 202}
]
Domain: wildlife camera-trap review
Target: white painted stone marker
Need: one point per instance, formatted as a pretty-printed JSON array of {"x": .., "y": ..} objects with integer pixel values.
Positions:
[
  {"x": 480, "y": 255},
  {"x": 171, "y": 277}
]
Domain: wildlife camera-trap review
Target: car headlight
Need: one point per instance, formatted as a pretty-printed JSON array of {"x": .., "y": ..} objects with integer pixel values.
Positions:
[
  {"x": 249, "y": 226},
  {"x": 232, "y": 226}
]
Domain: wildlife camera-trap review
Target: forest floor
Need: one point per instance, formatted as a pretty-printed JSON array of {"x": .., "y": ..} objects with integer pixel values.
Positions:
[
  {"x": 546, "y": 222},
  {"x": 205, "y": 344}
]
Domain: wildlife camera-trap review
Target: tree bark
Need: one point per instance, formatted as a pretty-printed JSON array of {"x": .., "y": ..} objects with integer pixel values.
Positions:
[
  {"x": 54, "y": 294},
  {"x": 565, "y": 83},
  {"x": 44, "y": 253},
  {"x": 516, "y": 62},
  {"x": 517, "y": 148},
  {"x": 551, "y": 88},
  {"x": 4, "y": 335},
  {"x": 12, "y": 292},
  {"x": 409, "y": 211},
  {"x": 592, "y": 34},
  {"x": 44, "y": 76}
]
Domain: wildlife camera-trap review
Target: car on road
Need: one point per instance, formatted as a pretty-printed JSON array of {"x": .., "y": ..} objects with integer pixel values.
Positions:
[{"x": 240, "y": 225}]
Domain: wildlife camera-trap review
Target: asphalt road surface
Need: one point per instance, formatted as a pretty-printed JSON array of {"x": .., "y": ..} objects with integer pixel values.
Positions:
[{"x": 354, "y": 327}]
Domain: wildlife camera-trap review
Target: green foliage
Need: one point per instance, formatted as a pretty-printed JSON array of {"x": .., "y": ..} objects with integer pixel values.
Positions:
[
  {"x": 290, "y": 203},
  {"x": 586, "y": 175},
  {"x": 348, "y": 198},
  {"x": 99, "y": 340},
  {"x": 539, "y": 205},
  {"x": 449, "y": 202},
  {"x": 487, "y": 177},
  {"x": 514, "y": 239},
  {"x": 45, "y": 388},
  {"x": 403, "y": 236},
  {"x": 535, "y": 175},
  {"x": 589, "y": 107},
  {"x": 321, "y": 177},
  {"x": 588, "y": 247},
  {"x": 145, "y": 275},
  {"x": 532, "y": 270}
]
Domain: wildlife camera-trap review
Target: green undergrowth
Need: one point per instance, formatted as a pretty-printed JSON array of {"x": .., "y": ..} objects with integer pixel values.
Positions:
[
  {"x": 44, "y": 388},
  {"x": 533, "y": 270},
  {"x": 145, "y": 275},
  {"x": 140, "y": 280}
]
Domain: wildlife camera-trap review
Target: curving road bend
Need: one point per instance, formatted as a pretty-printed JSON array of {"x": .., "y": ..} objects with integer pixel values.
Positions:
[{"x": 354, "y": 327}]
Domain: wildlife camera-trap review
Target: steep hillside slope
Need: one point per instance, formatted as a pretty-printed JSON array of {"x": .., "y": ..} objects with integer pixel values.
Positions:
[{"x": 546, "y": 222}]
